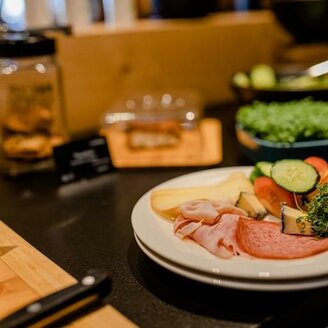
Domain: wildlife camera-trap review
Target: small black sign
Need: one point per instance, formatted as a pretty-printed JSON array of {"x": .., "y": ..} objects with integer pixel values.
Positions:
[{"x": 82, "y": 159}]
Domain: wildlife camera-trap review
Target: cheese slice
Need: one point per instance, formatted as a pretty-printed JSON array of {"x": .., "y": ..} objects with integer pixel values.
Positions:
[{"x": 166, "y": 202}]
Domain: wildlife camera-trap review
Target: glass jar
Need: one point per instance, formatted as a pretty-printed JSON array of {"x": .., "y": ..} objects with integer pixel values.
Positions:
[{"x": 32, "y": 121}]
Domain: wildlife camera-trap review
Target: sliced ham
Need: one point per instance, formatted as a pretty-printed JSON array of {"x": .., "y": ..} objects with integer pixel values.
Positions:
[
  {"x": 207, "y": 211},
  {"x": 264, "y": 239},
  {"x": 183, "y": 228},
  {"x": 219, "y": 238},
  {"x": 211, "y": 224}
]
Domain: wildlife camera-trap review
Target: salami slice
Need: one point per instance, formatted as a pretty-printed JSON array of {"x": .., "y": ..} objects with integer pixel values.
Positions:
[{"x": 264, "y": 239}]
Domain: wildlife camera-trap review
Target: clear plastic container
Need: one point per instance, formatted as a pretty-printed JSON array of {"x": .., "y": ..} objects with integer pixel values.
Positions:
[
  {"x": 32, "y": 121},
  {"x": 156, "y": 119}
]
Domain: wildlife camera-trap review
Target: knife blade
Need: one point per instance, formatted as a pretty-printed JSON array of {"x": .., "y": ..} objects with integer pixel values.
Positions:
[{"x": 64, "y": 304}]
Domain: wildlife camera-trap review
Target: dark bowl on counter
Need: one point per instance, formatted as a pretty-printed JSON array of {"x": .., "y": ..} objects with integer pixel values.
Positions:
[
  {"x": 257, "y": 149},
  {"x": 288, "y": 85},
  {"x": 246, "y": 95},
  {"x": 305, "y": 20}
]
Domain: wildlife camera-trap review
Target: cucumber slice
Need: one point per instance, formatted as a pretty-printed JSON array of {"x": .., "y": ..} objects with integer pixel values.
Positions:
[
  {"x": 265, "y": 168},
  {"x": 256, "y": 172},
  {"x": 295, "y": 175}
]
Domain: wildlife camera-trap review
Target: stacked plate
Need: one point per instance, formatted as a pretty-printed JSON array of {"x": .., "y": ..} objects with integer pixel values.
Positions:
[{"x": 155, "y": 237}]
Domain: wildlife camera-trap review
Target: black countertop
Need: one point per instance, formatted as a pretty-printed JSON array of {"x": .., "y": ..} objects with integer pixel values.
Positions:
[{"x": 87, "y": 225}]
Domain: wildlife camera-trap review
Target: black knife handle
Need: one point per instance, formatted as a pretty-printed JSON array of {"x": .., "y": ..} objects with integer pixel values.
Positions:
[{"x": 89, "y": 291}]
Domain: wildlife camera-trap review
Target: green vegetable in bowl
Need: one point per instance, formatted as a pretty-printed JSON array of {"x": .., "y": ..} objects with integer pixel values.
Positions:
[
  {"x": 241, "y": 79},
  {"x": 303, "y": 83},
  {"x": 263, "y": 77},
  {"x": 285, "y": 122},
  {"x": 298, "y": 83}
]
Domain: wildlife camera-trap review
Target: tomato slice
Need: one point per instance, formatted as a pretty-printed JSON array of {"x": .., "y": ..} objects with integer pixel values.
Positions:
[
  {"x": 324, "y": 177},
  {"x": 321, "y": 166},
  {"x": 271, "y": 195},
  {"x": 318, "y": 163}
]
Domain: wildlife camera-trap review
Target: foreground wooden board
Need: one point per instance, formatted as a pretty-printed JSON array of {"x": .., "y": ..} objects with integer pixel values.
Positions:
[{"x": 26, "y": 275}]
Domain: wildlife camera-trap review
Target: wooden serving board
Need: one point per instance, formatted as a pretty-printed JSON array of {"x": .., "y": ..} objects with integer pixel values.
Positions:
[
  {"x": 27, "y": 275},
  {"x": 198, "y": 147}
]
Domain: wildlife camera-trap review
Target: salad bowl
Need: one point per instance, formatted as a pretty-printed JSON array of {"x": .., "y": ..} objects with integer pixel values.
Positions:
[
  {"x": 272, "y": 131},
  {"x": 257, "y": 149}
]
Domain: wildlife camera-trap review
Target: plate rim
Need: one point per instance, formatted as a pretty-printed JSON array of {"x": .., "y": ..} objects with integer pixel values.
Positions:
[{"x": 219, "y": 281}]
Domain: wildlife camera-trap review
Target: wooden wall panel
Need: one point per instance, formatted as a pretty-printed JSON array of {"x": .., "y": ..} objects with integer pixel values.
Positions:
[{"x": 101, "y": 63}]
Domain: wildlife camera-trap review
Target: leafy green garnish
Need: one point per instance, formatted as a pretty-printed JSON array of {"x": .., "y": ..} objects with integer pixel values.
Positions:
[
  {"x": 318, "y": 211},
  {"x": 285, "y": 122}
]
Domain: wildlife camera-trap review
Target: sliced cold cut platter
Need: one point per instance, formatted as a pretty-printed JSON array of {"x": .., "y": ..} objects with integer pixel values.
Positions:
[{"x": 156, "y": 234}]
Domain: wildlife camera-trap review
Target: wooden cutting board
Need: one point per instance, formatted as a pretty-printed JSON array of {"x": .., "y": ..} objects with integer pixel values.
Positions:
[
  {"x": 198, "y": 147},
  {"x": 27, "y": 275}
]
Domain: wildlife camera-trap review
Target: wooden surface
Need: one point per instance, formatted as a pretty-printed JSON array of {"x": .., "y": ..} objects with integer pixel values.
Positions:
[
  {"x": 197, "y": 147},
  {"x": 26, "y": 275},
  {"x": 103, "y": 62}
]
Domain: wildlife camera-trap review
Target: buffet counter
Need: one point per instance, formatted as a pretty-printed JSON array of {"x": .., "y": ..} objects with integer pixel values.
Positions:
[{"x": 88, "y": 225}]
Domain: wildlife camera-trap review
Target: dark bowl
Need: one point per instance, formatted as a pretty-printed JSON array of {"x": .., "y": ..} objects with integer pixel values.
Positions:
[
  {"x": 248, "y": 95},
  {"x": 306, "y": 20},
  {"x": 261, "y": 150}
]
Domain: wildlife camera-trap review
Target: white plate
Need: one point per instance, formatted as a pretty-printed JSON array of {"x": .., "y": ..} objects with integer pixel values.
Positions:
[
  {"x": 156, "y": 233},
  {"x": 229, "y": 283}
]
